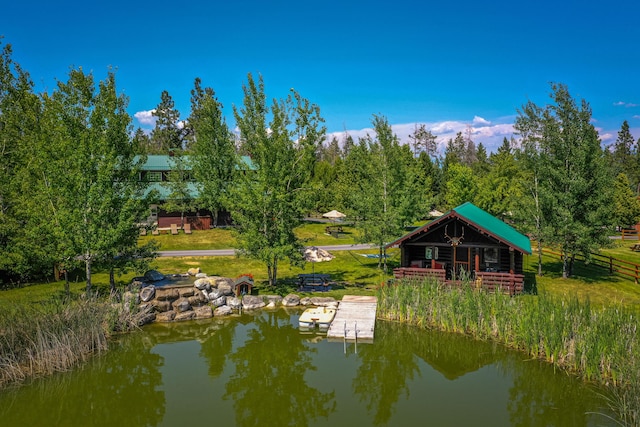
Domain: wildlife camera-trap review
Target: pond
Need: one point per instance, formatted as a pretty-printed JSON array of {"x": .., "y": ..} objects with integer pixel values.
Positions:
[{"x": 259, "y": 370}]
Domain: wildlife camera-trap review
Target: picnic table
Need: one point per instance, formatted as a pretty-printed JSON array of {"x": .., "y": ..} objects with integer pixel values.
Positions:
[{"x": 317, "y": 282}]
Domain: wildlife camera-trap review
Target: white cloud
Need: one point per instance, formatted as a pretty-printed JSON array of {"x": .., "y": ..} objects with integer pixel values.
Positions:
[
  {"x": 607, "y": 136},
  {"x": 145, "y": 117},
  {"x": 482, "y": 131},
  {"x": 477, "y": 120},
  {"x": 637, "y": 116},
  {"x": 625, "y": 104}
]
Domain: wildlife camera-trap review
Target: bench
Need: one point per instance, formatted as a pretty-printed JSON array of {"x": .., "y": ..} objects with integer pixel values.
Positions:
[
  {"x": 512, "y": 284},
  {"x": 333, "y": 230}
]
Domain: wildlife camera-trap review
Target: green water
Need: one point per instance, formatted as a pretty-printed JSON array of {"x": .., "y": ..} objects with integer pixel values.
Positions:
[{"x": 260, "y": 370}]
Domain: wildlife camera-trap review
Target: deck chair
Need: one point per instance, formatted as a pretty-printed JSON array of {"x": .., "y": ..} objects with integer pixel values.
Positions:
[
  {"x": 187, "y": 228},
  {"x": 174, "y": 228}
]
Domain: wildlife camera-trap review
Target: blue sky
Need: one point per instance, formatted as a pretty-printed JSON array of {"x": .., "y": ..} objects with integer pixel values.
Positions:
[{"x": 451, "y": 65}]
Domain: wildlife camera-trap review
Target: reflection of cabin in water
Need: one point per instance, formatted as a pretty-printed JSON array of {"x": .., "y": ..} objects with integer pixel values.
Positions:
[{"x": 465, "y": 242}]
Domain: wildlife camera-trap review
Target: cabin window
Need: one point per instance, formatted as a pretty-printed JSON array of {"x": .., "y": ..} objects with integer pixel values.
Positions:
[
  {"x": 491, "y": 255},
  {"x": 431, "y": 252}
]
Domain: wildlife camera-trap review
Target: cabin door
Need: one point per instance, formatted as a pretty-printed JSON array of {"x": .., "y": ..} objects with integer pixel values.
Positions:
[{"x": 462, "y": 265}]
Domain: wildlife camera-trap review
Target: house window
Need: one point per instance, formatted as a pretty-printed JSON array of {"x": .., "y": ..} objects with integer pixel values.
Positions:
[{"x": 154, "y": 176}]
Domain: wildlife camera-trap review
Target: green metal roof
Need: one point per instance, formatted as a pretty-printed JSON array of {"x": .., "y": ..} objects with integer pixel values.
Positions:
[
  {"x": 162, "y": 162},
  {"x": 483, "y": 221}
]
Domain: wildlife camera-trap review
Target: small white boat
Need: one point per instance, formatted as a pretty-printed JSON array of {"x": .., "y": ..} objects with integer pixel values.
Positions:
[{"x": 317, "y": 316}]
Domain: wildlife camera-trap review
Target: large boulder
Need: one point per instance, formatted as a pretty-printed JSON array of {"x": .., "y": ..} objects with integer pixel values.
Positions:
[
  {"x": 219, "y": 302},
  {"x": 215, "y": 294},
  {"x": 225, "y": 310},
  {"x": 181, "y": 305},
  {"x": 197, "y": 299},
  {"x": 203, "y": 312},
  {"x": 251, "y": 302},
  {"x": 225, "y": 288},
  {"x": 147, "y": 293},
  {"x": 185, "y": 315},
  {"x": 167, "y": 294},
  {"x": 275, "y": 299},
  {"x": 145, "y": 318},
  {"x": 161, "y": 306},
  {"x": 291, "y": 300},
  {"x": 167, "y": 316},
  {"x": 205, "y": 283},
  {"x": 234, "y": 303},
  {"x": 186, "y": 292}
]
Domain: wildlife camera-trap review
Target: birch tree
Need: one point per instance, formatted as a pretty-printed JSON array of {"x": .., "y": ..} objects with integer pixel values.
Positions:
[{"x": 268, "y": 202}]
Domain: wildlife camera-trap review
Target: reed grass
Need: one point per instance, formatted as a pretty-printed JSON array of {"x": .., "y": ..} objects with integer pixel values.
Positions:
[
  {"x": 600, "y": 344},
  {"x": 39, "y": 340}
]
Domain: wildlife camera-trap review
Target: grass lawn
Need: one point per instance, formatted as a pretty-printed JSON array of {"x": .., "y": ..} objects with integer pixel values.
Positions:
[
  {"x": 353, "y": 273},
  {"x": 311, "y": 233}
]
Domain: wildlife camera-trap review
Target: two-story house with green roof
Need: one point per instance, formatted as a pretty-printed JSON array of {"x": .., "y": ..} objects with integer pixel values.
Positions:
[{"x": 155, "y": 172}]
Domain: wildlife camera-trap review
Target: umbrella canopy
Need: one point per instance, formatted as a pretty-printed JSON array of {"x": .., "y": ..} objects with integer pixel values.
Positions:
[
  {"x": 334, "y": 214},
  {"x": 314, "y": 254}
]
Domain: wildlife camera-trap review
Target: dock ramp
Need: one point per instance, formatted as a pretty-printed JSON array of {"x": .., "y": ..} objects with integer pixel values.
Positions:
[{"x": 355, "y": 319}]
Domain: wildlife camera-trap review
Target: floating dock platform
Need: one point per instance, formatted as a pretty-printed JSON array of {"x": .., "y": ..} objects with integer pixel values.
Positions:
[{"x": 355, "y": 319}]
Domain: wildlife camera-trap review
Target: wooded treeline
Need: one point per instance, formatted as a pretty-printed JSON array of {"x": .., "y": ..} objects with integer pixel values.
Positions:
[{"x": 70, "y": 188}]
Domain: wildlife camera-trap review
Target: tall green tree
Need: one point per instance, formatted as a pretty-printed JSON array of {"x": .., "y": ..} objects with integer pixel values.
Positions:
[
  {"x": 268, "y": 203},
  {"x": 577, "y": 182},
  {"x": 384, "y": 187},
  {"x": 212, "y": 150},
  {"x": 627, "y": 206},
  {"x": 169, "y": 133},
  {"x": 461, "y": 186},
  {"x": 500, "y": 191},
  {"x": 89, "y": 178},
  {"x": 624, "y": 160},
  {"x": 22, "y": 253},
  {"x": 423, "y": 140}
]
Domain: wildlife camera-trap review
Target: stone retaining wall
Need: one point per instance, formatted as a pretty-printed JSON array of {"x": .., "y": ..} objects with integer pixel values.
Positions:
[{"x": 208, "y": 297}]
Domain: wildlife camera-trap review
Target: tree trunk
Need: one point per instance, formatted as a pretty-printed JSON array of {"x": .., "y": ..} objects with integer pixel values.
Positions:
[
  {"x": 539, "y": 258},
  {"x": 565, "y": 265},
  {"x": 215, "y": 214},
  {"x": 112, "y": 281},
  {"x": 67, "y": 289},
  {"x": 87, "y": 266}
]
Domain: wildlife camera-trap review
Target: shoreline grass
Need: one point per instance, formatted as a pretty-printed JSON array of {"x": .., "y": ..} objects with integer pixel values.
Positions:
[{"x": 597, "y": 344}]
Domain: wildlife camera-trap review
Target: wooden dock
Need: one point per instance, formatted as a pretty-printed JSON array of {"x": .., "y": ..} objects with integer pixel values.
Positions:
[{"x": 355, "y": 319}]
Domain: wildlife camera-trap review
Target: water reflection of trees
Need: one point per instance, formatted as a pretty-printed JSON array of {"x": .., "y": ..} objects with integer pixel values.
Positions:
[
  {"x": 384, "y": 372},
  {"x": 538, "y": 396},
  {"x": 121, "y": 387},
  {"x": 536, "y": 392},
  {"x": 268, "y": 386}
]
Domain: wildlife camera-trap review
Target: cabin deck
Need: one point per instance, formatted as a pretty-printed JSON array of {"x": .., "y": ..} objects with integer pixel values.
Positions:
[{"x": 355, "y": 319}]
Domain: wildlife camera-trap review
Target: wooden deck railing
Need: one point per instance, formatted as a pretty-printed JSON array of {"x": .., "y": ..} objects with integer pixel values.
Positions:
[{"x": 506, "y": 282}]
